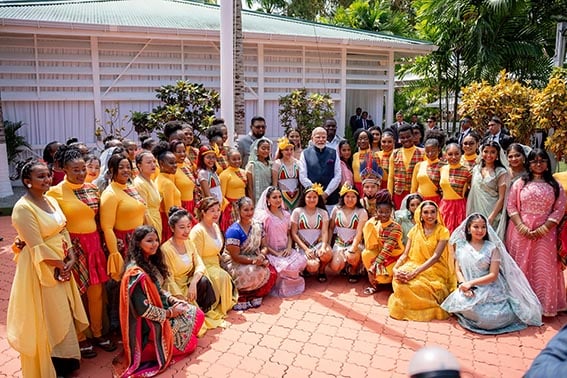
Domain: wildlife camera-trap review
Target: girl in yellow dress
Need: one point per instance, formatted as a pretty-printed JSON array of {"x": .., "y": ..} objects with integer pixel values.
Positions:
[
  {"x": 233, "y": 182},
  {"x": 147, "y": 188},
  {"x": 165, "y": 181},
  {"x": 424, "y": 274}
]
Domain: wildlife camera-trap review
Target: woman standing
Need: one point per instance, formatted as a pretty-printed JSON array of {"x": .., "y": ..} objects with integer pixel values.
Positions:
[
  {"x": 157, "y": 328},
  {"x": 536, "y": 205},
  {"x": 376, "y": 133},
  {"x": 45, "y": 308},
  {"x": 424, "y": 274},
  {"x": 183, "y": 178},
  {"x": 187, "y": 280},
  {"x": 426, "y": 175},
  {"x": 285, "y": 174},
  {"x": 207, "y": 175},
  {"x": 489, "y": 184},
  {"x": 208, "y": 240},
  {"x": 382, "y": 243},
  {"x": 287, "y": 261},
  {"x": 493, "y": 295},
  {"x": 233, "y": 186},
  {"x": 147, "y": 188},
  {"x": 455, "y": 180},
  {"x": 80, "y": 203},
  {"x": 347, "y": 221},
  {"x": 470, "y": 149},
  {"x": 310, "y": 230},
  {"x": 245, "y": 258},
  {"x": 517, "y": 162},
  {"x": 345, "y": 154},
  {"x": 165, "y": 182},
  {"x": 387, "y": 144},
  {"x": 122, "y": 209},
  {"x": 363, "y": 140},
  {"x": 295, "y": 138},
  {"x": 258, "y": 169}
]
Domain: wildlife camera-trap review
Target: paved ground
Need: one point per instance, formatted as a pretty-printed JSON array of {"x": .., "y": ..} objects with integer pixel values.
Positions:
[{"x": 332, "y": 330}]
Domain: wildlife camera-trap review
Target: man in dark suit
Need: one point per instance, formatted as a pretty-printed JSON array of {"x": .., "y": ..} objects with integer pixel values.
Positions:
[
  {"x": 396, "y": 126},
  {"x": 364, "y": 122},
  {"x": 497, "y": 134},
  {"x": 354, "y": 120},
  {"x": 466, "y": 128}
]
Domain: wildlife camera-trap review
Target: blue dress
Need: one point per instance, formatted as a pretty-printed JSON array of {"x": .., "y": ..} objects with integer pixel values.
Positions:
[{"x": 491, "y": 310}]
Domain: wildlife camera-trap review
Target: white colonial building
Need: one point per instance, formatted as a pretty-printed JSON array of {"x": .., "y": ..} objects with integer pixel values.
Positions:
[{"x": 63, "y": 63}]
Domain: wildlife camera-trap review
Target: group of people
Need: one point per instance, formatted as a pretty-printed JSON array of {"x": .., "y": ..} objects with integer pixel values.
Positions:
[{"x": 163, "y": 239}]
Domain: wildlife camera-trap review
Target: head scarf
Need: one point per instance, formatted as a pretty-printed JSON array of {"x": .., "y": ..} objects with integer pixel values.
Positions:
[
  {"x": 102, "y": 180},
  {"x": 519, "y": 289},
  {"x": 417, "y": 214},
  {"x": 254, "y": 148}
]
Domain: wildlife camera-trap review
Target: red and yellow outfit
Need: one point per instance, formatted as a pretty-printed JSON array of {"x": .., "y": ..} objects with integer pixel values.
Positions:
[
  {"x": 469, "y": 161},
  {"x": 425, "y": 180},
  {"x": 233, "y": 186},
  {"x": 385, "y": 164},
  {"x": 455, "y": 181},
  {"x": 149, "y": 192},
  {"x": 192, "y": 156},
  {"x": 357, "y": 159},
  {"x": 382, "y": 247},
  {"x": 400, "y": 172},
  {"x": 80, "y": 203},
  {"x": 170, "y": 196},
  {"x": 122, "y": 209},
  {"x": 185, "y": 183},
  {"x": 222, "y": 159}
]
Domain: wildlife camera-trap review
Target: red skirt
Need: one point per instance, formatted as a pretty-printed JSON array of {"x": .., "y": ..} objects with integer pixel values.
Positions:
[
  {"x": 123, "y": 238},
  {"x": 453, "y": 212},
  {"x": 165, "y": 230},
  {"x": 190, "y": 207},
  {"x": 436, "y": 199},
  {"x": 264, "y": 290},
  {"x": 398, "y": 198},
  {"x": 91, "y": 247},
  {"x": 229, "y": 215}
]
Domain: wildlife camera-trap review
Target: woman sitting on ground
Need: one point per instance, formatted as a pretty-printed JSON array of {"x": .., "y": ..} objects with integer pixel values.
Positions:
[
  {"x": 287, "y": 261},
  {"x": 347, "y": 221},
  {"x": 383, "y": 243},
  {"x": 188, "y": 280},
  {"x": 157, "y": 328},
  {"x": 423, "y": 275},
  {"x": 245, "y": 258},
  {"x": 493, "y": 296},
  {"x": 310, "y": 230}
]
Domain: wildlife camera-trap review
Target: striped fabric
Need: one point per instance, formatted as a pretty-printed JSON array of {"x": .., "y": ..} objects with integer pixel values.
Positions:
[{"x": 403, "y": 176}]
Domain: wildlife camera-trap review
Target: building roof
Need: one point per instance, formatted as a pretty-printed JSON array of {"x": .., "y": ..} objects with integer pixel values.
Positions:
[{"x": 186, "y": 17}]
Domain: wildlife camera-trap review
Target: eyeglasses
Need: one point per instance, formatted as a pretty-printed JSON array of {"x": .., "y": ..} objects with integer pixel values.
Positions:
[
  {"x": 469, "y": 143},
  {"x": 259, "y": 127},
  {"x": 536, "y": 162}
]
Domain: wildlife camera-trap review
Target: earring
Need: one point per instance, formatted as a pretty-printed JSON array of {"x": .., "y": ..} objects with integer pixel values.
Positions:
[{"x": 29, "y": 186}]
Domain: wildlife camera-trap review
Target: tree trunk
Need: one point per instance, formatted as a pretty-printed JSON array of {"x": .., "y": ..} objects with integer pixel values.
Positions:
[
  {"x": 239, "y": 104},
  {"x": 5, "y": 184}
]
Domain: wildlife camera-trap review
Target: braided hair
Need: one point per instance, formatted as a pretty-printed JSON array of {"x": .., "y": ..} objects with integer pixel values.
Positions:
[
  {"x": 27, "y": 169},
  {"x": 66, "y": 154}
]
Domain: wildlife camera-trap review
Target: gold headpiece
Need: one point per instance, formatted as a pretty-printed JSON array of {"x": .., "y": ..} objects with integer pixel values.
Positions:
[
  {"x": 317, "y": 188},
  {"x": 216, "y": 150},
  {"x": 284, "y": 143},
  {"x": 346, "y": 188}
]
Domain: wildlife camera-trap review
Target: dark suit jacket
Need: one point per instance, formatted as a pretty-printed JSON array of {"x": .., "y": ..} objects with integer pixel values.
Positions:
[
  {"x": 353, "y": 122},
  {"x": 369, "y": 123},
  {"x": 552, "y": 361},
  {"x": 504, "y": 140}
]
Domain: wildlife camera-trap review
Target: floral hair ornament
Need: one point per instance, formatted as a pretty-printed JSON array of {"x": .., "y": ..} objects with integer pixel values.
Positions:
[
  {"x": 284, "y": 143},
  {"x": 317, "y": 188},
  {"x": 347, "y": 188},
  {"x": 370, "y": 171}
]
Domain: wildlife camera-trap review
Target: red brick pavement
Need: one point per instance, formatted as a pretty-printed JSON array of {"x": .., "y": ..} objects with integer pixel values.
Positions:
[{"x": 332, "y": 330}]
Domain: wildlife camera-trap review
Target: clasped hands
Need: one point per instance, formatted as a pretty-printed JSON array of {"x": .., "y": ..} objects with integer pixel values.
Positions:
[
  {"x": 532, "y": 234},
  {"x": 404, "y": 276}
]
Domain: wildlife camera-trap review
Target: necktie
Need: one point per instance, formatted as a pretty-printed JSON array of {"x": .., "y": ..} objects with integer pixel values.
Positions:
[{"x": 364, "y": 123}]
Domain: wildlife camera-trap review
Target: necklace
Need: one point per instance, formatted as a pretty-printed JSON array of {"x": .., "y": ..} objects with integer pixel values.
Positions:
[
  {"x": 538, "y": 177},
  {"x": 179, "y": 249},
  {"x": 41, "y": 202}
]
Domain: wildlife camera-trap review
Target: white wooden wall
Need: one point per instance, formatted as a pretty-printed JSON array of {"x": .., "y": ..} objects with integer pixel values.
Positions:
[{"x": 59, "y": 85}]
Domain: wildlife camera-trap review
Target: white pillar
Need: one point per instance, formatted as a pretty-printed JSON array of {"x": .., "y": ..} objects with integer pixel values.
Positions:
[
  {"x": 391, "y": 87},
  {"x": 227, "y": 66}
]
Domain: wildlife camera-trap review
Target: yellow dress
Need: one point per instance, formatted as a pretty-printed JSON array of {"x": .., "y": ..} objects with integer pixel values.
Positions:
[
  {"x": 43, "y": 313},
  {"x": 420, "y": 299},
  {"x": 210, "y": 250},
  {"x": 149, "y": 192},
  {"x": 383, "y": 241}
]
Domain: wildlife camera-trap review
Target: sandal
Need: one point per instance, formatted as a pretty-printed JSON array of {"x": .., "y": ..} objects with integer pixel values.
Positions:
[
  {"x": 353, "y": 278},
  {"x": 256, "y": 302},
  {"x": 241, "y": 306},
  {"x": 105, "y": 344},
  {"x": 370, "y": 290},
  {"x": 322, "y": 277},
  {"x": 87, "y": 350}
]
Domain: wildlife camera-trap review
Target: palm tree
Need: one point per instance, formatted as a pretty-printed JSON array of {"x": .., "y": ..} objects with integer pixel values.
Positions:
[{"x": 5, "y": 185}]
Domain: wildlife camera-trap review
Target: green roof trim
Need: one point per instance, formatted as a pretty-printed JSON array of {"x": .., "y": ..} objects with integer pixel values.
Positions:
[{"x": 183, "y": 15}]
